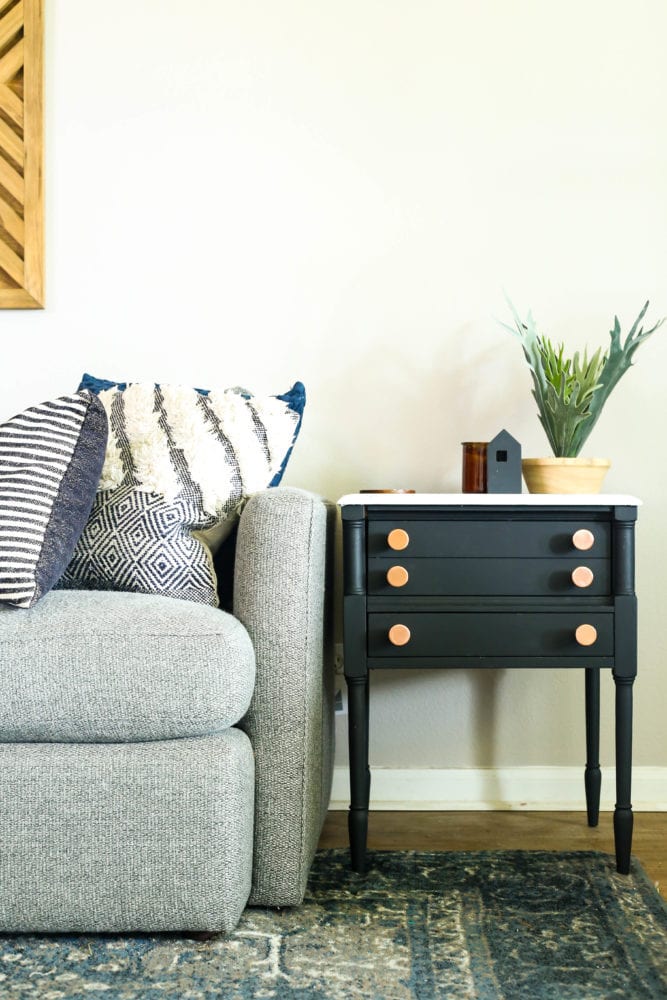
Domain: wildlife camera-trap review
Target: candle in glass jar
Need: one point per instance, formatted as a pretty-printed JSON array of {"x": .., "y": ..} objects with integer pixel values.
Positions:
[{"x": 474, "y": 466}]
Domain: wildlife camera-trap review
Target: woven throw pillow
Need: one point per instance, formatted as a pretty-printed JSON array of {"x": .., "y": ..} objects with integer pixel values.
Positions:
[
  {"x": 179, "y": 464},
  {"x": 51, "y": 457}
]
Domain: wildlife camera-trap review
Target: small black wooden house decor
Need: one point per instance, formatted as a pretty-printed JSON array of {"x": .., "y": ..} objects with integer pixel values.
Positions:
[{"x": 503, "y": 464}]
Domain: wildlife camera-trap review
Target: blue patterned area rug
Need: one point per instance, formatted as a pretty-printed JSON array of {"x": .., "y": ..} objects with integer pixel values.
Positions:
[{"x": 503, "y": 925}]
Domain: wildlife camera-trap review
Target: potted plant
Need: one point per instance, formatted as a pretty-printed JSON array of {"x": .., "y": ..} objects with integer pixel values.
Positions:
[{"x": 570, "y": 393}]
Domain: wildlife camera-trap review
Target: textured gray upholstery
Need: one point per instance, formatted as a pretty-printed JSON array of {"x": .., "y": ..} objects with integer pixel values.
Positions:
[
  {"x": 170, "y": 834},
  {"x": 281, "y": 595},
  {"x": 96, "y": 666},
  {"x": 110, "y": 837}
]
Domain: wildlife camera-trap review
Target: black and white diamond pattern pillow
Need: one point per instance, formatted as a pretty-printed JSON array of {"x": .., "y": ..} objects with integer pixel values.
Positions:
[
  {"x": 179, "y": 463},
  {"x": 51, "y": 457}
]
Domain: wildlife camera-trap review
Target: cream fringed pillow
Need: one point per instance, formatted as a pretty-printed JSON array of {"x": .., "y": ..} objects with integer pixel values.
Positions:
[{"x": 179, "y": 464}]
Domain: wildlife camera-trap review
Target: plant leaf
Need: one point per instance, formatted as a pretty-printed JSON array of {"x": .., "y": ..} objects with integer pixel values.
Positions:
[
  {"x": 561, "y": 389},
  {"x": 570, "y": 393},
  {"x": 617, "y": 363}
]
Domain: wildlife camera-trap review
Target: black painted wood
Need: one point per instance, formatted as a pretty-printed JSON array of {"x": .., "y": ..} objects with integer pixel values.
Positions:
[
  {"x": 490, "y": 602},
  {"x": 490, "y": 511},
  {"x": 462, "y": 576},
  {"x": 487, "y": 662},
  {"x": 593, "y": 774},
  {"x": 468, "y": 537},
  {"x": 623, "y": 819},
  {"x": 360, "y": 775},
  {"x": 625, "y": 629},
  {"x": 354, "y": 636},
  {"x": 490, "y": 586},
  {"x": 490, "y": 633},
  {"x": 354, "y": 550}
]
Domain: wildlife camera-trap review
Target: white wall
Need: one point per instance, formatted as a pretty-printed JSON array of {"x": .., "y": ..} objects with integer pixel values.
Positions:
[{"x": 338, "y": 192}]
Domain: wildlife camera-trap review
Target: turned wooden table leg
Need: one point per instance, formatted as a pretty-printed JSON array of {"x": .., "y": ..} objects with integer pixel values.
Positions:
[
  {"x": 593, "y": 775},
  {"x": 623, "y": 820},
  {"x": 360, "y": 775}
]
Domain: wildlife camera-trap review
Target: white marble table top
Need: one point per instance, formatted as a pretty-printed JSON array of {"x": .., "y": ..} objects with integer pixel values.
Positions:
[{"x": 491, "y": 499}]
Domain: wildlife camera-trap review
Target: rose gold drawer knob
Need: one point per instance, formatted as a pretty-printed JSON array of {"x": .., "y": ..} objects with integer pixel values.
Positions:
[
  {"x": 586, "y": 635},
  {"x": 397, "y": 576},
  {"x": 583, "y": 539},
  {"x": 582, "y": 576},
  {"x": 399, "y": 635},
  {"x": 398, "y": 539}
]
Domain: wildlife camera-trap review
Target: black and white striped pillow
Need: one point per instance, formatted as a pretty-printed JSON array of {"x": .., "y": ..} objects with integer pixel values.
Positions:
[{"x": 51, "y": 457}]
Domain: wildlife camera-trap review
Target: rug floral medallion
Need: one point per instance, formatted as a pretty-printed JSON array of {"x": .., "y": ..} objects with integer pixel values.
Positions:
[{"x": 506, "y": 925}]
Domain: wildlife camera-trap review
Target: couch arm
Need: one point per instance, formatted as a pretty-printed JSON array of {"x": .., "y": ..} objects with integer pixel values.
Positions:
[{"x": 283, "y": 596}]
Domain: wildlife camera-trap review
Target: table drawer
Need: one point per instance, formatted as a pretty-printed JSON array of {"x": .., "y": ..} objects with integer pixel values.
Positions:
[
  {"x": 490, "y": 538},
  {"x": 493, "y": 577},
  {"x": 490, "y": 633}
]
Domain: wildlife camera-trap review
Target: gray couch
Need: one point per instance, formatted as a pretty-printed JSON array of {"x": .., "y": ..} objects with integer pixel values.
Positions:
[{"x": 164, "y": 763}]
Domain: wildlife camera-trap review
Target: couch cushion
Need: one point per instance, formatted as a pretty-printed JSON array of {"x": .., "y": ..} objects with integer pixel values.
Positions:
[
  {"x": 124, "y": 837},
  {"x": 100, "y": 667}
]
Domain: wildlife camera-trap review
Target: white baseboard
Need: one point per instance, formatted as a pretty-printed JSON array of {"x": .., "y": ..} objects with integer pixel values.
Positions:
[{"x": 540, "y": 788}]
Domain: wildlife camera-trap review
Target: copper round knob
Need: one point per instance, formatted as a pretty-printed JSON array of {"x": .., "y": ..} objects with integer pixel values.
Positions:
[
  {"x": 399, "y": 635},
  {"x": 398, "y": 539},
  {"x": 586, "y": 635},
  {"x": 583, "y": 539},
  {"x": 582, "y": 576},
  {"x": 397, "y": 576}
]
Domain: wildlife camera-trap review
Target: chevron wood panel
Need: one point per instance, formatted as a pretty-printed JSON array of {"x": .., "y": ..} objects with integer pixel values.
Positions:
[{"x": 21, "y": 155}]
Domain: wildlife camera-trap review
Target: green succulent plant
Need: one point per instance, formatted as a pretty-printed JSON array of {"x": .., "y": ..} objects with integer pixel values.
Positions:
[{"x": 570, "y": 392}]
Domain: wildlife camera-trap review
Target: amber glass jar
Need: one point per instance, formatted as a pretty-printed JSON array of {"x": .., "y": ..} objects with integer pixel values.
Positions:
[{"x": 474, "y": 466}]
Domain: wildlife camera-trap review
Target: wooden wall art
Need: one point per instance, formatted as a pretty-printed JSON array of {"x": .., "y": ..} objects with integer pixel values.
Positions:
[{"x": 21, "y": 155}]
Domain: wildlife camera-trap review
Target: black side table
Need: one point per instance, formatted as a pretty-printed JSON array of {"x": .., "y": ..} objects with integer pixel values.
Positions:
[{"x": 515, "y": 580}]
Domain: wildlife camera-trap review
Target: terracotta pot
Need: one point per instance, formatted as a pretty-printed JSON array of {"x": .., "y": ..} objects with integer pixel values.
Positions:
[{"x": 564, "y": 475}]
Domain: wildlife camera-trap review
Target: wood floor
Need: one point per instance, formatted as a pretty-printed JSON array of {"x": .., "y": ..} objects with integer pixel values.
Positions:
[{"x": 480, "y": 831}]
